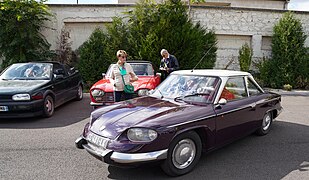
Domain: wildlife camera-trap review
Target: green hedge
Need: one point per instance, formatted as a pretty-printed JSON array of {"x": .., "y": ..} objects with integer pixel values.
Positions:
[{"x": 289, "y": 61}]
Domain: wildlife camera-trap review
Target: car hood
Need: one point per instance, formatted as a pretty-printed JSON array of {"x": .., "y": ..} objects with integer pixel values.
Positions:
[
  {"x": 148, "y": 111},
  {"x": 16, "y": 86},
  {"x": 142, "y": 83}
]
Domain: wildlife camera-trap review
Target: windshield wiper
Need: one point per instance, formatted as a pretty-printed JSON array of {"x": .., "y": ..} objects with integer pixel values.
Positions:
[
  {"x": 190, "y": 95},
  {"x": 161, "y": 94}
]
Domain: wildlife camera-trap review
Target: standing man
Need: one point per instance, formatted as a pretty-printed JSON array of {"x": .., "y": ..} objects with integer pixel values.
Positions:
[{"x": 168, "y": 63}]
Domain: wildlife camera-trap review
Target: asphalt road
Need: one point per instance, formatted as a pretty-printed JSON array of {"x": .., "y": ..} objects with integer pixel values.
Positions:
[{"x": 44, "y": 149}]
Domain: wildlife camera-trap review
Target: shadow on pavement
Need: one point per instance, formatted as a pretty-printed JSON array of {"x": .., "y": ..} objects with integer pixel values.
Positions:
[
  {"x": 67, "y": 114},
  {"x": 282, "y": 152}
]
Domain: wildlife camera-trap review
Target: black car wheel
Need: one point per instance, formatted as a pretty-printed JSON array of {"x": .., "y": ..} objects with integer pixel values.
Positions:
[
  {"x": 79, "y": 95},
  {"x": 266, "y": 123},
  {"x": 183, "y": 154},
  {"x": 49, "y": 106}
]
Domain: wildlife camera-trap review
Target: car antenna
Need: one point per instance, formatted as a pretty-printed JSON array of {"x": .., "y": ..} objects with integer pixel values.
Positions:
[{"x": 203, "y": 57}]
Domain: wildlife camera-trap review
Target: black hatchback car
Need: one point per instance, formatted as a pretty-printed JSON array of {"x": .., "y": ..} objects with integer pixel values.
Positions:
[{"x": 37, "y": 88}]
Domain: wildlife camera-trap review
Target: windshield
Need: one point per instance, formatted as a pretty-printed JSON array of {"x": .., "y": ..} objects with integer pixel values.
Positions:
[
  {"x": 27, "y": 71},
  {"x": 140, "y": 69},
  {"x": 185, "y": 87}
]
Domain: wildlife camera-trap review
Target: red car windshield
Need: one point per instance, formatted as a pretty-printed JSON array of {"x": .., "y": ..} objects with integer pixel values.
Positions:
[{"x": 140, "y": 69}]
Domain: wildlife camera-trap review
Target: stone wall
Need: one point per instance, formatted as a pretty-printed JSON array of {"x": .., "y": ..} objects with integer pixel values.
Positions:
[
  {"x": 233, "y": 26},
  {"x": 236, "y": 26}
]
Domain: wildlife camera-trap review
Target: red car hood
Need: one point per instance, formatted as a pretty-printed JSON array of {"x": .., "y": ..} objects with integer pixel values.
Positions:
[
  {"x": 112, "y": 120},
  {"x": 141, "y": 83}
]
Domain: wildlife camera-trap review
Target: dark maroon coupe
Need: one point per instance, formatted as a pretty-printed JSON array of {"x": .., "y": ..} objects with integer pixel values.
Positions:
[{"x": 188, "y": 113}]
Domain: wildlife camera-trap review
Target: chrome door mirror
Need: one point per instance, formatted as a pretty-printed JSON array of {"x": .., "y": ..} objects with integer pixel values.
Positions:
[{"x": 222, "y": 101}]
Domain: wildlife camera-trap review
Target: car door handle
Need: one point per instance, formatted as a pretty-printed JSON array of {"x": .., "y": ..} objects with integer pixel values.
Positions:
[{"x": 252, "y": 106}]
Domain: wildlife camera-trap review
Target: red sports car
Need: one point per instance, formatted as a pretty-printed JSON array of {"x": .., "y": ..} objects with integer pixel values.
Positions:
[{"x": 102, "y": 93}]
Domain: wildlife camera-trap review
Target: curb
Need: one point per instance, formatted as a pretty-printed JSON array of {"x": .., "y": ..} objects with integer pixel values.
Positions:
[{"x": 289, "y": 93}]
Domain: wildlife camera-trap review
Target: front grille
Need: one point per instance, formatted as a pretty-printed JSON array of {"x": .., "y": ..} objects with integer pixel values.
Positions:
[
  {"x": 6, "y": 98},
  {"x": 108, "y": 97}
]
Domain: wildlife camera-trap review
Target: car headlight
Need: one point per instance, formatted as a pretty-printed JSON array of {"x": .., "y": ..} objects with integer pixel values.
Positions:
[
  {"x": 143, "y": 92},
  {"x": 21, "y": 97},
  {"x": 97, "y": 92},
  {"x": 141, "y": 135}
]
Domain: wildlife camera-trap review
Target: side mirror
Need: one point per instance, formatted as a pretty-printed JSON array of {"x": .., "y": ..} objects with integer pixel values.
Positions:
[
  {"x": 59, "y": 71},
  {"x": 58, "y": 76},
  {"x": 222, "y": 101},
  {"x": 103, "y": 75}
]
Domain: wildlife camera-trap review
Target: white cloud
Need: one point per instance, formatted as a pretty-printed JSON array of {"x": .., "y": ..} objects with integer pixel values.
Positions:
[{"x": 299, "y": 5}]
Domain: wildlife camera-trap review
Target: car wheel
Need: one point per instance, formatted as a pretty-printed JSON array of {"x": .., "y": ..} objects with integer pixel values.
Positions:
[
  {"x": 79, "y": 95},
  {"x": 266, "y": 123},
  {"x": 183, "y": 154},
  {"x": 49, "y": 106}
]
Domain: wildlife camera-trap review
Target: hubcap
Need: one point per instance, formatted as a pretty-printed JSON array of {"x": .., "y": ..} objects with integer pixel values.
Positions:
[
  {"x": 48, "y": 106},
  {"x": 266, "y": 122},
  {"x": 80, "y": 92},
  {"x": 184, "y": 153}
]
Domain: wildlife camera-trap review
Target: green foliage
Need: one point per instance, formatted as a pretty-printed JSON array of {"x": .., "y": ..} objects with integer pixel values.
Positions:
[
  {"x": 287, "y": 87},
  {"x": 151, "y": 27},
  {"x": 20, "y": 38},
  {"x": 93, "y": 58},
  {"x": 167, "y": 25},
  {"x": 245, "y": 57},
  {"x": 289, "y": 62}
]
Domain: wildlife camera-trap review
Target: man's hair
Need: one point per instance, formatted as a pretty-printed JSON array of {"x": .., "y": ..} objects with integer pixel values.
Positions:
[{"x": 163, "y": 51}]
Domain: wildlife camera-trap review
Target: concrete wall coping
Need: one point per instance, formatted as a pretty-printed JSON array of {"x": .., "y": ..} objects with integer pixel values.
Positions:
[{"x": 193, "y": 6}]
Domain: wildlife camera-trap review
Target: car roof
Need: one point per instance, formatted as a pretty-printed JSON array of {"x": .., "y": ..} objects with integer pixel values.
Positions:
[{"x": 212, "y": 72}]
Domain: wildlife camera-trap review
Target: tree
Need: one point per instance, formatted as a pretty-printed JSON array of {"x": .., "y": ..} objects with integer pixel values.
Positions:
[
  {"x": 289, "y": 62},
  {"x": 20, "y": 31},
  {"x": 152, "y": 27},
  {"x": 245, "y": 57},
  {"x": 94, "y": 59}
]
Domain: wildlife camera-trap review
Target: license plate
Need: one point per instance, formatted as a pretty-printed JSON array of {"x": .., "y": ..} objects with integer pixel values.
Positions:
[
  {"x": 4, "y": 108},
  {"x": 97, "y": 140}
]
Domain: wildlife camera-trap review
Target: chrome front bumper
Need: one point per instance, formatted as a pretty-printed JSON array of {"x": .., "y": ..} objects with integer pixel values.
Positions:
[{"x": 120, "y": 158}]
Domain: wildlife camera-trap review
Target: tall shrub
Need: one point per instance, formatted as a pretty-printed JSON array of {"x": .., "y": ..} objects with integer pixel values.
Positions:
[
  {"x": 288, "y": 64},
  {"x": 20, "y": 31},
  {"x": 245, "y": 57},
  {"x": 94, "y": 58}
]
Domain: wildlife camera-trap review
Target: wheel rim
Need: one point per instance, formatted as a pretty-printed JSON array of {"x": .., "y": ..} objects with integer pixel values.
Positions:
[
  {"x": 49, "y": 106},
  {"x": 80, "y": 92},
  {"x": 183, "y": 153},
  {"x": 266, "y": 122}
]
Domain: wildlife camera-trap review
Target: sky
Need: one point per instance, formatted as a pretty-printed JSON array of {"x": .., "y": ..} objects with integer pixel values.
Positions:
[{"x": 298, "y": 5}]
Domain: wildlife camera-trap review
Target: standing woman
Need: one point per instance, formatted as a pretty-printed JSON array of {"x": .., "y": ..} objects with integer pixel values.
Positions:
[{"x": 122, "y": 73}]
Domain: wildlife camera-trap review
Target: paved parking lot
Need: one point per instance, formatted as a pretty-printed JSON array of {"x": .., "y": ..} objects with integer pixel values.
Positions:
[{"x": 44, "y": 149}]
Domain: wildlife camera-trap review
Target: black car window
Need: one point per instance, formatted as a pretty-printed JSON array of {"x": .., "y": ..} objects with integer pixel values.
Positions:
[
  {"x": 252, "y": 88},
  {"x": 69, "y": 69},
  {"x": 234, "y": 89},
  {"x": 59, "y": 70}
]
